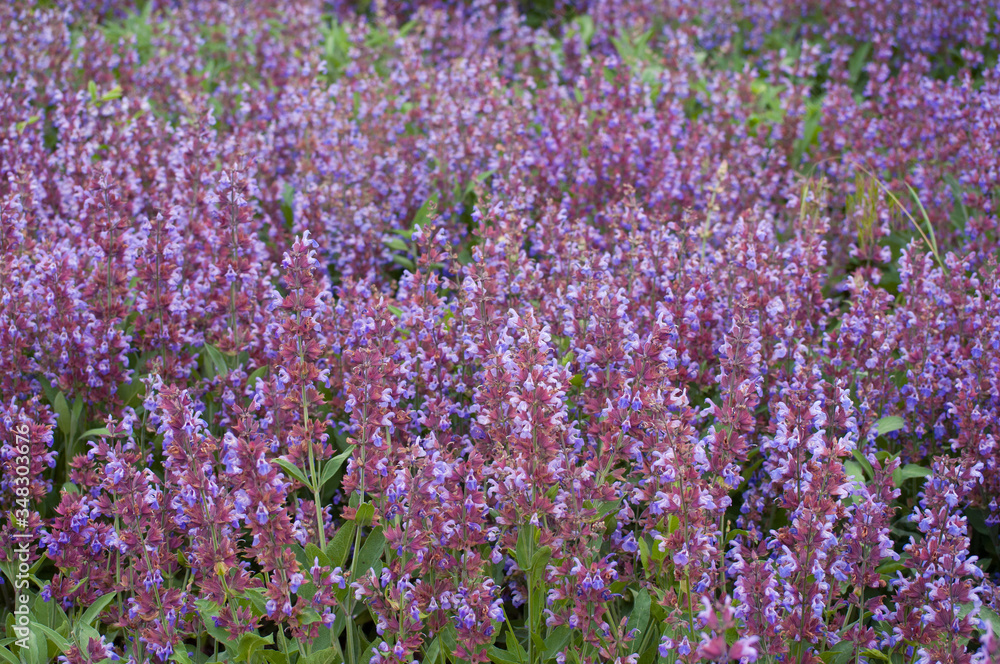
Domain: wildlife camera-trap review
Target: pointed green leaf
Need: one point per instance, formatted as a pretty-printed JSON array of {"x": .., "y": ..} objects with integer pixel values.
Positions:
[
  {"x": 181, "y": 657},
  {"x": 988, "y": 615},
  {"x": 249, "y": 644},
  {"x": 313, "y": 552},
  {"x": 91, "y": 433},
  {"x": 333, "y": 465},
  {"x": 405, "y": 263},
  {"x": 257, "y": 601},
  {"x": 62, "y": 411},
  {"x": 218, "y": 361},
  {"x": 56, "y": 638},
  {"x": 209, "y": 610},
  {"x": 366, "y": 512},
  {"x": 556, "y": 641},
  {"x": 426, "y": 211},
  {"x": 339, "y": 547},
  {"x": 432, "y": 652},
  {"x": 522, "y": 548},
  {"x": 397, "y": 244},
  {"x": 327, "y": 656},
  {"x": 864, "y": 463},
  {"x": 293, "y": 470},
  {"x": 94, "y": 611},
  {"x": 538, "y": 563},
  {"x": 639, "y": 618},
  {"x": 371, "y": 551},
  {"x": 908, "y": 472},
  {"x": 889, "y": 424},
  {"x": 259, "y": 372},
  {"x": 644, "y": 553}
]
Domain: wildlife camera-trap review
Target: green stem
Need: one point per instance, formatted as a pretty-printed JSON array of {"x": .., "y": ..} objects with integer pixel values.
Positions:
[{"x": 349, "y": 618}]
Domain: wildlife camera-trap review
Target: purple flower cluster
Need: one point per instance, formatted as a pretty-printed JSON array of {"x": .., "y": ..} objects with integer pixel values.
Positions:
[{"x": 451, "y": 332}]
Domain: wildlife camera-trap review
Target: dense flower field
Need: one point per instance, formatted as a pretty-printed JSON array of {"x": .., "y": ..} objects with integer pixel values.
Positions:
[{"x": 573, "y": 331}]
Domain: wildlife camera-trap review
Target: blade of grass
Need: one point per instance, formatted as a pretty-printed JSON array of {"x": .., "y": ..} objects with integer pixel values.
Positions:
[{"x": 931, "y": 242}]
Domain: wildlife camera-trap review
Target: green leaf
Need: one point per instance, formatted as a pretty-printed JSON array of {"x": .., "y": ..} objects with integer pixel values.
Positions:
[
  {"x": 396, "y": 311},
  {"x": 209, "y": 610},
  {"x": 736, "y": 532},
  {"x": 293, "y": 470},
  {"x": 514, "y": 648},
  {"x": 644, "y": 553},
  {"x": 371, "y": 551},
  {"x": 49, "y": 614},
  {"x": 656, "y": 552},
  {"x": 257, "y": 373},
  {"x": 537, "y": 605},
  {"x": 536, "y": 639},
  {"x": 864, "y": 463},
  {"x": 908, "y": 472},
  {"x": 38, "y": 649},
  {"x": 405, "y": 263},
  {"x": 257, "y": 601},
  {"x": 889, "y": 424},
  {"x": 498, "y": 656},
  {"x": 55, "y": 637},
  {"x": 92, "y": 90},
  {"x": 538, "y": 562},
  {"x": 327, "y": 656},
  {"x": 515, "y": 645},
  {"x": 396, "y": 243},
  {"x": 432, "y": 652},
  {"x": 8, "y": 656},
  {"x": 639, "y": 618},
  {"x": 839, "y": 654},
  {"x": 99, "y": 431},
  {"x": 426, "y": 211},
  {"x": 218, "y": 365},
  {"x": 275, "y": 657},
  {"x": 339, "y": 547},
  {"x": 522, "y": 548},
  {"x": 650, "y": 654},
  {"x": 856, "y": 470},
  {"x": 471, "y": 187},
  {"x": 333, "y": 465},
  {"x": 94, "y": 611},
  {"x": 128, "y": 391},
  {"x": 249, "y": 644},
  {"x": 74, "y": 418},
  {"x": 366, "y": 512},
  {"x": 112, "y": 94},
  {"x": 585, "y": 24},
  {"x": 988, "y": 615},
  {"x": 673, "y": 523},
  {"x": 891, "y": 567},
  {"x": 62, "y": 411},
  {"x": 182, "y": 657},
  {"x": 313, "y": 552},
  {"x": 556, "y": 641},
  {"x": 24, "y": 124},
  {"x": 607, "y": 507},
  {"x": 857, "y": 62}
]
